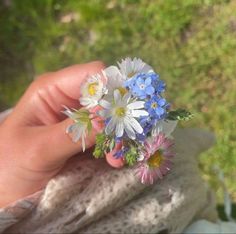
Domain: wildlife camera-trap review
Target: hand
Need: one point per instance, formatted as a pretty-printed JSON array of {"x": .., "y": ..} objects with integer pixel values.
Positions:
[{"x": 33, "y": 143}]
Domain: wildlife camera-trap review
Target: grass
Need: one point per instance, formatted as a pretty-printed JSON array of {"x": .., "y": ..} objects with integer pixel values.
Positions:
[{"x": 190, "y": 43}]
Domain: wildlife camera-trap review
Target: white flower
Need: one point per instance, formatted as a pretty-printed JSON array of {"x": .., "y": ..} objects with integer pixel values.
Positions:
[
  {"x": 164, "y": 126},
  {"x": 92, "y": 91},
  {"x": 122, "y": 113},
  {"x": 82, "y": 124},
  {"x": 130, "y": 68},
  {"x": 114, "y": 81},
  {"x": 116, "y": 77}
]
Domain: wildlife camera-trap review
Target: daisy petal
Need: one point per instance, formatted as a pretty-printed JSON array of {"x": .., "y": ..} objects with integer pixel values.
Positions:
[
  {"x": 83, "y": 141},
  {"x": 126, "y": 97},
  {"x": 68, "y": 113},
  {"x": 117, "y": 95},
  {"x": 135, "y": 125},
  {"x": 105, "y": 104},
  {"x": 136, "y": 105},
  {"x": 139, "y": 113},
  {"x": 119, "y": 129},
  {"x": 77, "y": 135},
  {"x": 111, "y": 71},
  {"x": 88, "y": 102},
  {"x": 110, "y": 126},
  {"x": 129, "y": 130},
  {"x": 147, "y": 68},
  {"x": 71, "y": 128}
]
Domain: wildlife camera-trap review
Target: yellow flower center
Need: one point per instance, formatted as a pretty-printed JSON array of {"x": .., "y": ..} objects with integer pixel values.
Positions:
[
  {"x": 120, "y": 111},
  {"x": 131, "y": 74},
  {"x": 122, "y": 90},
  {"x": 155, "y": 160},
  {"x": 154, "y": 105},
  {"x": 92, "y": 88}
]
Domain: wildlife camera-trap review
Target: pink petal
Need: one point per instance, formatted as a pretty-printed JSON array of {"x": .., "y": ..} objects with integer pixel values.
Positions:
[
  {"x": 167, "y": 143},
  {"x": 98, "y": 124},
  {"x": 168, "y": 154}
]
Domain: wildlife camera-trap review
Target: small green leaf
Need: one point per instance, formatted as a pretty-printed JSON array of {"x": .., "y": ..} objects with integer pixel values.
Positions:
[
  {"x": 97, "y": 153},
  {"x": 112, "y": 144},
  {"x": 179, "y": 114}
]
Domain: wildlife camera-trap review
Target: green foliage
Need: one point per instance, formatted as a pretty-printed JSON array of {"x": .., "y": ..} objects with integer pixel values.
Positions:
[
  {"x": 100, "y": 146},
  {"x": 190, "y": 43},
  {"x": 179, "y": 114},
  {"x": 131, "y": 155},
  {"x": 112, "y": 144},
  {"x": 98, "y": 153}
]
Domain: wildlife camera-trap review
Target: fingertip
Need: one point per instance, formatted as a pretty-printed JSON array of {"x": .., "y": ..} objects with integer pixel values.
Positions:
[
  {"x": 116, "y": 163},
  {"x": 86, "y": 68},
  {"x": 70, "y": 79},
  {"x": 98, "y": 64}
]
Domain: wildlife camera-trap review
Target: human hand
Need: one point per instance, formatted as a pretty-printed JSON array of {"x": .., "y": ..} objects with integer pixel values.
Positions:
[{"x": 34, "y": 146}]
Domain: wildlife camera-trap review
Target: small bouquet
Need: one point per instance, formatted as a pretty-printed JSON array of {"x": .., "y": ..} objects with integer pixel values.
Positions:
[{"x": 125, "y": 104}]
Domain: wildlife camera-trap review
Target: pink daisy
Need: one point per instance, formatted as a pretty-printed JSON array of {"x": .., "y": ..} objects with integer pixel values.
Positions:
[{"x": 157, "y": 159}]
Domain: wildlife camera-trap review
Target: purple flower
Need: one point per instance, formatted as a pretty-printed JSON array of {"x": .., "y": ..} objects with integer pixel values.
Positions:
[
  {"x": 147, "y": 124},
  {"x": 141, "y": 137},
  {"x": 120, "y": 153}
]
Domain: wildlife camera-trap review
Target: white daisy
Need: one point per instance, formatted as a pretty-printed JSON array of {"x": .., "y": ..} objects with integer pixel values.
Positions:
[
  {"x": 92, "y": 91},
  {"x": 122, "y": 113},
  {"x": 114, "y": 80},
  {"x": 82, "y": 125},
  {"x": 130, "y": 68}
]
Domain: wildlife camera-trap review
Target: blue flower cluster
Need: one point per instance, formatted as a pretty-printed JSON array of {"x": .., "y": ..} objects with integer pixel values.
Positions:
[
  {"x": 145, "y": 85},
  {"x": 149, "y": 88},
  {"x": 156, "y": 107}
]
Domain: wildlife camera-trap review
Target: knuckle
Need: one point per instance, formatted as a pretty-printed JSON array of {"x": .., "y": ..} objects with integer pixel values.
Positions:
[{"x": 39, "y": 81}]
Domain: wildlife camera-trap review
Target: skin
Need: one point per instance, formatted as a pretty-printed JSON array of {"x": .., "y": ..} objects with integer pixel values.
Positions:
[{"x": 34, "y": 146}]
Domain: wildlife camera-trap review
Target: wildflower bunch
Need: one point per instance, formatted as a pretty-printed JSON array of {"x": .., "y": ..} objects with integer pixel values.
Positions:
[{"x": 128, "y": 101}]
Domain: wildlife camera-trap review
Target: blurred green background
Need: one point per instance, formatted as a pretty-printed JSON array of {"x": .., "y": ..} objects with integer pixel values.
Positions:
[{"x": 191, "y": 43}]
